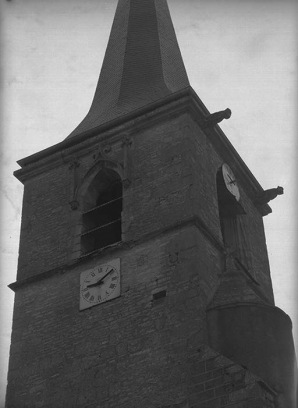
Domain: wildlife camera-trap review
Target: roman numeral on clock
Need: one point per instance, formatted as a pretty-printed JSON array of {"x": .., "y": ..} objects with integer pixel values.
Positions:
[{"x": 100, "y": 284}]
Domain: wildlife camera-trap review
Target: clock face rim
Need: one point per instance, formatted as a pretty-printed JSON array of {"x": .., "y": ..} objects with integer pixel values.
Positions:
[
  {"x": 230, "y": 181},
  {"x": 99, "y": 276},
  {"x": 99, "y": 272}
]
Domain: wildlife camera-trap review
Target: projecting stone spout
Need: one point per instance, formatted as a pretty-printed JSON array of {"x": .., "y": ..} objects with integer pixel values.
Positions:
[
  {"x": 268, "y": 195},
  {"x": 216, "y": 117}
]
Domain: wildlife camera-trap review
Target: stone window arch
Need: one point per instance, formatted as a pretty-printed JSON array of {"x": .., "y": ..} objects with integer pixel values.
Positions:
[{"x": 101, "y": 203}]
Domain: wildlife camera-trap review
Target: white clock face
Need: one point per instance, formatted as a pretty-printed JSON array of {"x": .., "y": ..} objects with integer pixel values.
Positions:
[
  {"x": 99, "y": 284},
  {"x": 230, "y": 181}
]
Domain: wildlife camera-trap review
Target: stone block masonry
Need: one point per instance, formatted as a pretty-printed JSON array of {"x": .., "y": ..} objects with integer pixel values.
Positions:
[
  {"x": 173, "y": 171},
  {"x": 133, "y": 347},
  {"x": 190, "y": 265},
  {"x": 141, "y": 349}
]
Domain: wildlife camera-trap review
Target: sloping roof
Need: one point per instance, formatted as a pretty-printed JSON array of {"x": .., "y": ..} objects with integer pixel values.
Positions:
[{"x": 142, "y": 63}]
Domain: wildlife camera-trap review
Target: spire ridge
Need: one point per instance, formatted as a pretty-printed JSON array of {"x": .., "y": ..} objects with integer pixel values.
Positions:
[{"x": 142, "y": 63}]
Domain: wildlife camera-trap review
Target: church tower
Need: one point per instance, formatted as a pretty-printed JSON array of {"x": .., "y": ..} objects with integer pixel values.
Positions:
[{"x": 143, "y": 276}]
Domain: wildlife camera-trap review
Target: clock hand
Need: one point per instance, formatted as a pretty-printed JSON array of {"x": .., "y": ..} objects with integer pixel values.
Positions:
[
  {"x": 94, "y": 284},
  {"x": 231, "y": 181},
  {"x": 100, "y": 282}
]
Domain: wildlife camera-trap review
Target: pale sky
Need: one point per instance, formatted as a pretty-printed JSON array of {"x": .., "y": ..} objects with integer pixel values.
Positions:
[{"x": 240, "y": 54}]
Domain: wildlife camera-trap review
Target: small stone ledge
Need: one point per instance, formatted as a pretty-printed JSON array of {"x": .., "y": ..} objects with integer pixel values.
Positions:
[{"x": 122, "y": 246}]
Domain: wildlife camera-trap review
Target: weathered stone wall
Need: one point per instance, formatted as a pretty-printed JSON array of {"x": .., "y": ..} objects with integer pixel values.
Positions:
[
  {"x": 129, "y": 348},
  {"x": 132, "y": 351},
  {"x": 173, "y": 177}
]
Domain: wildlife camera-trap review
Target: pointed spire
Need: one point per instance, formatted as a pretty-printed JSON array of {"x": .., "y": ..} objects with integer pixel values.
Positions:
[{"x": 142, "y": 63}]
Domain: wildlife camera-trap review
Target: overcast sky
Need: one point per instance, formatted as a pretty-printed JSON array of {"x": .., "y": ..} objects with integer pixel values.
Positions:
[{"x": 240, "y": 54}]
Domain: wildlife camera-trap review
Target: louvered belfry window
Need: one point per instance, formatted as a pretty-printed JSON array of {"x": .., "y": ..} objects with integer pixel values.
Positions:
[{"x": 102, "y": 213}]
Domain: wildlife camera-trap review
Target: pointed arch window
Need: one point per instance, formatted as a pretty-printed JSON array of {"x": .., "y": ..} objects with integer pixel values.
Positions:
[
  {"x": 229, "y": 212},
  {"x": 102, "y": 212}
]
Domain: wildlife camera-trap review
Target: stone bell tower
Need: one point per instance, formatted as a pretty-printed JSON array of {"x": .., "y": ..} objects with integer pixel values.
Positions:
[{"x": 143, "y": 276}]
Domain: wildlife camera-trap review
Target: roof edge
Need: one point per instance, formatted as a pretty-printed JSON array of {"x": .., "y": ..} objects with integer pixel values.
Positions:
[
  {"x": 195, "y": 107},
  {"x": 69, "y": 142}
]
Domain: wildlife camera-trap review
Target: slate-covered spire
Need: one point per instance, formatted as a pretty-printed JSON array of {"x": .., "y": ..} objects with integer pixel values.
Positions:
[{"x": 142, "y": 63}]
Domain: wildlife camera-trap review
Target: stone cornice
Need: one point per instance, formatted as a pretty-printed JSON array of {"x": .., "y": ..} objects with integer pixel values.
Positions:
[
  {"x": 111, "y": 131},
  {"x": 185, "y": 101}
]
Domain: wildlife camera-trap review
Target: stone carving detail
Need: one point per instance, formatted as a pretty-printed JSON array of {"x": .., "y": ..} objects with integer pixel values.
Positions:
[
  {"x": 126, "y": 145},
  {"x": 74, "y": 166},
  {"x": 74, "y": 205},
  {"x": 214, "y": 118},
  {"x": 103, "y": 151},
  {"x": 268, "y": 195}
]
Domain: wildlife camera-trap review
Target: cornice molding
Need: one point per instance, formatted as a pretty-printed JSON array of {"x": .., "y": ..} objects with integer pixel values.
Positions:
[{"x": 185, "y": 101}]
